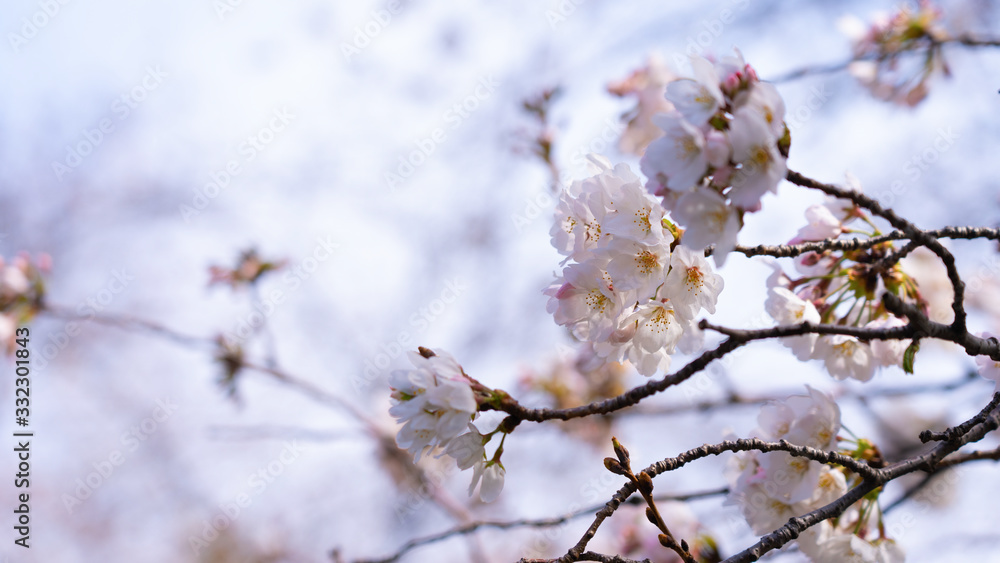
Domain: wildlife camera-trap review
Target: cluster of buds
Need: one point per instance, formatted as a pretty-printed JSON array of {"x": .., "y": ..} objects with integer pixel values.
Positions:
[
  {"x": 249, "y": 268},
  {"x": 22, "y": 290},
  {"x": 879, "y": 52}
]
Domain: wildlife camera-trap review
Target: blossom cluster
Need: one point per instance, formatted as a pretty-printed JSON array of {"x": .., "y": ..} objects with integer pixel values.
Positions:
[
  {"x": 250, "y": 267},
  {"x": 772, "y": 487},
  {"x": 628, "y": 288},
  {"x": 436, "y": 405},
  {"x": 22, "y": 289},
  {"x": 648, "y": 86},
  {"x": 723, "y": 147},
  {"x": 878, "y": 51},
  {"x": 843, "y": 288}
]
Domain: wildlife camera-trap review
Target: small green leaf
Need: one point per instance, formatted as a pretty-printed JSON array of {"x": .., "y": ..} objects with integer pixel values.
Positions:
[{"x": 909, "y": 355}]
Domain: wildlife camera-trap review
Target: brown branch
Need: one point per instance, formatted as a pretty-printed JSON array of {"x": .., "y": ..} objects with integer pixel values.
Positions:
[
  {"x": 524, "y": 523},
  {"x": 737, "y": 338},
  {"x": 966, "y": 40},
  {"x": 971, "y": 431},
  {"x": 978, "y": 426},
  {"x": 911, "y": 231}
]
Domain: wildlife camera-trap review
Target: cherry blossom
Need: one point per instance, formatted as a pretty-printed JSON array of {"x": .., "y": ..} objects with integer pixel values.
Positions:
[
  {"x": 637, "y": 266},
  {"x": 678, "y": 156},
  {"x": 850, "y": 548},
  {"x": 691, "y": 284},
  {"x": 467, "y": 449},
  {"x": 755, "y": 150},
  {"x": 846, "y": 357},
  {"x": 434, "y": 402},
  {"x": 888, "y": 352},
  {"x": 788, "y": 308},
  {"x": 823, "y": 224},
  {"x": 648, "y": 85},
  {"x": 699, "y": 98},
  {"x": 586, "y": 302},
  {"x": 709, "y": 220},
  {"x": 637, "y": 216}
]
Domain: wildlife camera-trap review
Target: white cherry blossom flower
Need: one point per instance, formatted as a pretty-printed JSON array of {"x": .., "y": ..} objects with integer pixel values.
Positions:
[
  {"x": 653, "y": 331},
  {"x": 755, "y": 149},
  {"x": 764, "y": 98},
  {"x": 678, "y": 156},
  {"x": 888, "y": 352},
  {"x": 691, "y": 284},
  {"x": 637, "y": 266},
  {"x": 822, "y": 225},
  {"x": 699, "y": 98},
  {"x": 583, "y": 208},
  {"x": 811, "y": 420},
  {"x": 637, "y": 216},
  {"x": 763, "y": 512},
  {"x": 576, "y": 229},
  {"x": 849, "y": 548},
  {"x": 812, "y": 264},
  {"x": 467, "y": 449},
  {"x": 787, "y": 308},
  {"x": 831, "y": 486},
  {"x": 708, "y": 220},
  {"x": 843, "y": 209},
  {"x": 585, "y": 301},
  {"x": 791, "y": 479},
  {"x": 434, "y": 402},
  {"x": 846, "y": 357},
  {"x": 648, "y": 85}
]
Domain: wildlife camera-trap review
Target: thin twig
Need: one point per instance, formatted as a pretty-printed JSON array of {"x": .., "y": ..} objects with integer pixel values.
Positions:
[{"x": 525, "y": 523}]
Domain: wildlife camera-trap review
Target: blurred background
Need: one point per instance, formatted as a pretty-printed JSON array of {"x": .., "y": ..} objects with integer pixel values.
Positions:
[{"x": 382, "y": 150}]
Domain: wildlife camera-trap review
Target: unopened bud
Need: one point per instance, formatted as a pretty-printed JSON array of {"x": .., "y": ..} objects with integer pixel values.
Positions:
[
  {"x": 651, "y": 516},
  {"x": 644, "y": 482},
  {"x": 613, "y": 466},
  {"x": 620, "y": 451},
  {"x": 426, "y": 352}
]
